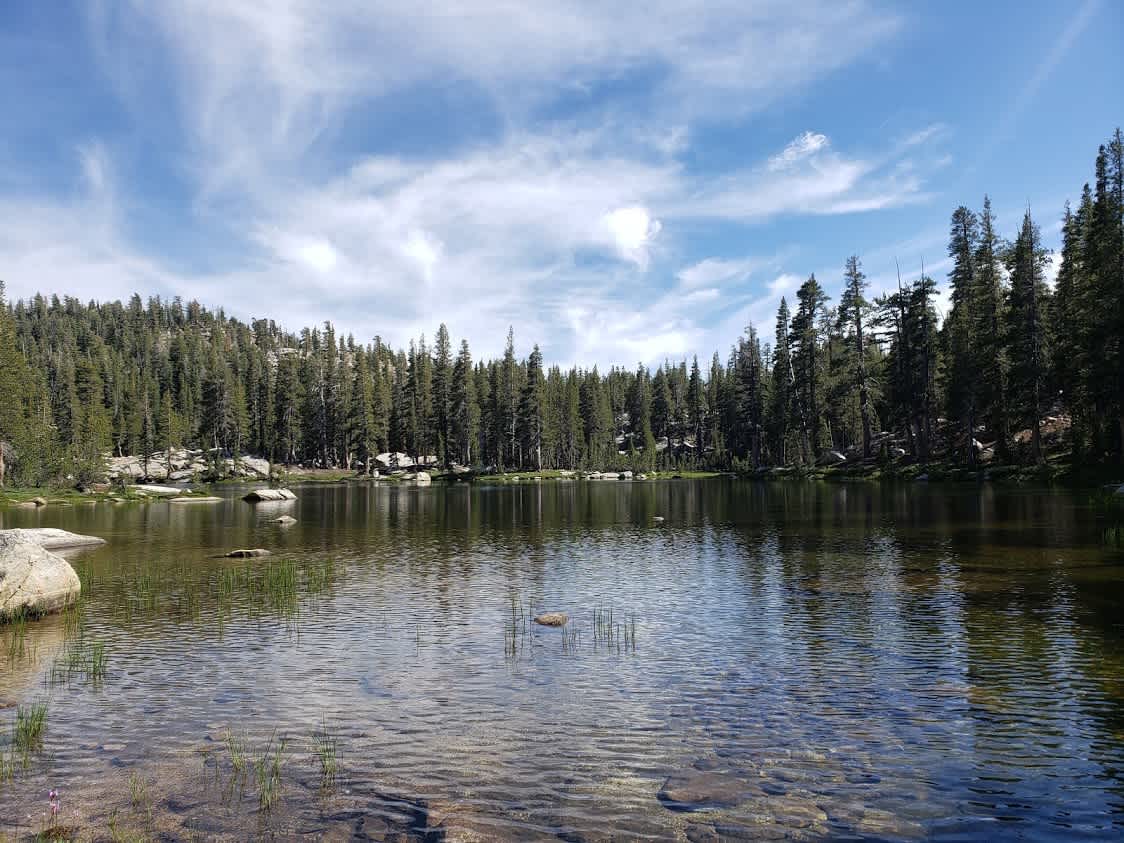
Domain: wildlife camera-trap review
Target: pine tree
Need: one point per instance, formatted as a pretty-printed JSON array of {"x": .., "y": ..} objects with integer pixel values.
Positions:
[
  {"x": 696, "y": 403},
  {"x": 781, "y": 407},
  {"x": 530, "y": 419},
  {"x": 442, "y": 394},
  {"x": 1029, "y": 304},
  {"x": 465, "y": 418},
  {"x": 854, "y": 308},
  {"x": 963, "y": 247},
  {"x": 988, "y": 355},
  {"x": 804, "y": 342}
]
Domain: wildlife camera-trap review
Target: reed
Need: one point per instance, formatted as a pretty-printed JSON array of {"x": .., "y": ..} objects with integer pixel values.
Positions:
[
  {"x": 236, "y": 749},
  {"x": 138, "y": 792},
  {"x": 31, "y": 723},
  {"x": 82, "y": 657},
  {"x": 325, "y": 748},
  {"x": 16, "y": 638},
  {"x": 267, "y": 772}
]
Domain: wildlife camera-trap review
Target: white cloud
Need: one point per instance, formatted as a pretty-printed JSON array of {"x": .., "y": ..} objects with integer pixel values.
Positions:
[
  {"x": 483, "y": 233},
  {"x": 632, "y": 230},
  {"x": 784, "y": 284},
  {"x": 802, "y": 146},
  {"x": 424, "y": 250},
  {"x": 716, "y": 271}
]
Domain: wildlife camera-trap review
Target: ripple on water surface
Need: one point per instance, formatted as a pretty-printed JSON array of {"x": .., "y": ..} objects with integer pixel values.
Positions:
[{"x": 771, "y": 659}]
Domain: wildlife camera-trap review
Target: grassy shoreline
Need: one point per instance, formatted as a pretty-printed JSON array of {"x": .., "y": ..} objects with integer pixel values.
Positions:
[{"x": 1052, "y": 474}]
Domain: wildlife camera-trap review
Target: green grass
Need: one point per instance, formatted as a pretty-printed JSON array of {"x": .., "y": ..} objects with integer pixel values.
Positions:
[
  {"x": 138, "y": 792},
  {"x": 236, "y": 749},
  {"x": 16, "y": 637},
  {"x": 326, "y": 749},
  {"x": 267, "y": 772},
  {"x": 684, "y": 475},
  {"x": 31, "y": 724}
]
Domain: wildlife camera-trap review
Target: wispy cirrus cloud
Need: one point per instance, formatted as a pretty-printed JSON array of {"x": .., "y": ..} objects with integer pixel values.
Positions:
[{"x": 564, "y": 207}]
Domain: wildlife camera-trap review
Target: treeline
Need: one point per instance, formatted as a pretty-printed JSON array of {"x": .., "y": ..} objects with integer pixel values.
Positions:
[{"x": 80, "y": 380}]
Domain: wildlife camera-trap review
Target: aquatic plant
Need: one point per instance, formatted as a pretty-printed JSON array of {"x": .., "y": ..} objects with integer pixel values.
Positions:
[
  {"x": 138, "y": 792},
  {"x": 16, "y": 637},
  {"x": 236, "y": 749},
  {"x": 73, "y": 617},
  {"x": 31, "y": 723},
  {"x": 82, "y": 657},
  {"x": 325, "y": 749},
  {"x": 267, "y": 772}
]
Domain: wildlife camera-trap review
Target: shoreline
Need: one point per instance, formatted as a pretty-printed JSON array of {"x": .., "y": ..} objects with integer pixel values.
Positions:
[{"x": 1061, "y": 476}]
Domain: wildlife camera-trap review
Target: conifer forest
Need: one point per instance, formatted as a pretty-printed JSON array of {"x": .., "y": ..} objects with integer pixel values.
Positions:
[{"x": 1018, "y": 367}]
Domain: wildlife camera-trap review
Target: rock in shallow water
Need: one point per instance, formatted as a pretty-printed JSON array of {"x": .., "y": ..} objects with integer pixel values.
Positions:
[
  {"x": 248, "y": 554},
  {"x": 284, "y": 520},
  {"x": 51, "y": 538},
  {"x": 32, "y": 579},
  {"x": 701, "y": 790},
  {"x": 552, "y": 619},
  {"x": 269, "y": 495}
]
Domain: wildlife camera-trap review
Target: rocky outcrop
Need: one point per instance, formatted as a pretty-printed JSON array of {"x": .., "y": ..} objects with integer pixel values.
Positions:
[
  {"x": 423, "y": 478},
  {"x": 552, "y": 619},
  {"x": 52, "y": 538},
  {"x": 32, "y": 579},
  {"x": 269, "y": 495},
  {"x": 400, "y": 460},
  {"x": 184, "y": 464}
]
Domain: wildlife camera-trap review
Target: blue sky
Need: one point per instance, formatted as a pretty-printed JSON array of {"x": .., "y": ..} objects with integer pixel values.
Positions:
[{"x": 621, "y": 184}]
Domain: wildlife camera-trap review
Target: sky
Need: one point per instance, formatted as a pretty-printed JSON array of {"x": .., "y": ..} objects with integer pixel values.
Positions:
[{"x": 621, "y": 182}]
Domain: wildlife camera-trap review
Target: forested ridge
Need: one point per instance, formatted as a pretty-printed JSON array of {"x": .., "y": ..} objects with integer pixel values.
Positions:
[{"x": 81, "y": 380}]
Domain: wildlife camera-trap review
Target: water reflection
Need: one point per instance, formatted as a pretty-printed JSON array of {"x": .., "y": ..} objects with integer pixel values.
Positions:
[{"x": 810, "y": 660}]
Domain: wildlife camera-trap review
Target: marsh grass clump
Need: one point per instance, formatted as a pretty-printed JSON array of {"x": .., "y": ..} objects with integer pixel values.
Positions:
[
  {"x": 325, "y": 748},
  {"x": 16, "y": 637},
  {"x": 267, "y": 772},
  {"x": 519, "y": 632},
  {"x": 138, "y": 792},
  {"x": 73, "y": 618},
  {"x": 236, "y": 749},
  {"x": 82, "y": 658},
  {"x": 31, "y": 723}
]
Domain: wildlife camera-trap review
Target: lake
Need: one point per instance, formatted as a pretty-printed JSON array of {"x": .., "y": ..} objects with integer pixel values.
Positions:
[{"x": 772, "y": 659}]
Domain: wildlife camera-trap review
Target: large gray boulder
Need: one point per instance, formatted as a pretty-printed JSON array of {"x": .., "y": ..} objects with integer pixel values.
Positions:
[
  {"x": 269, "y": 495},
  {"x": 32, "y": 579},
  {"x": 52, "y": 538}
]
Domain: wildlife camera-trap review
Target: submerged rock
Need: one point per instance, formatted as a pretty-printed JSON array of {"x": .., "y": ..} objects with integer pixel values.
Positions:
[
  {"x": 552, "y": 619},
  {"x": 701, "y": 790},
  {"x": 52, "y": 538},
  {"x": 269, "y": 495},
  {"x": 248, "y": 554},
  {"x": 284, "y": 520},
  {"x": 32, "y": 579},
  {"x": 197, "y": 499}
]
